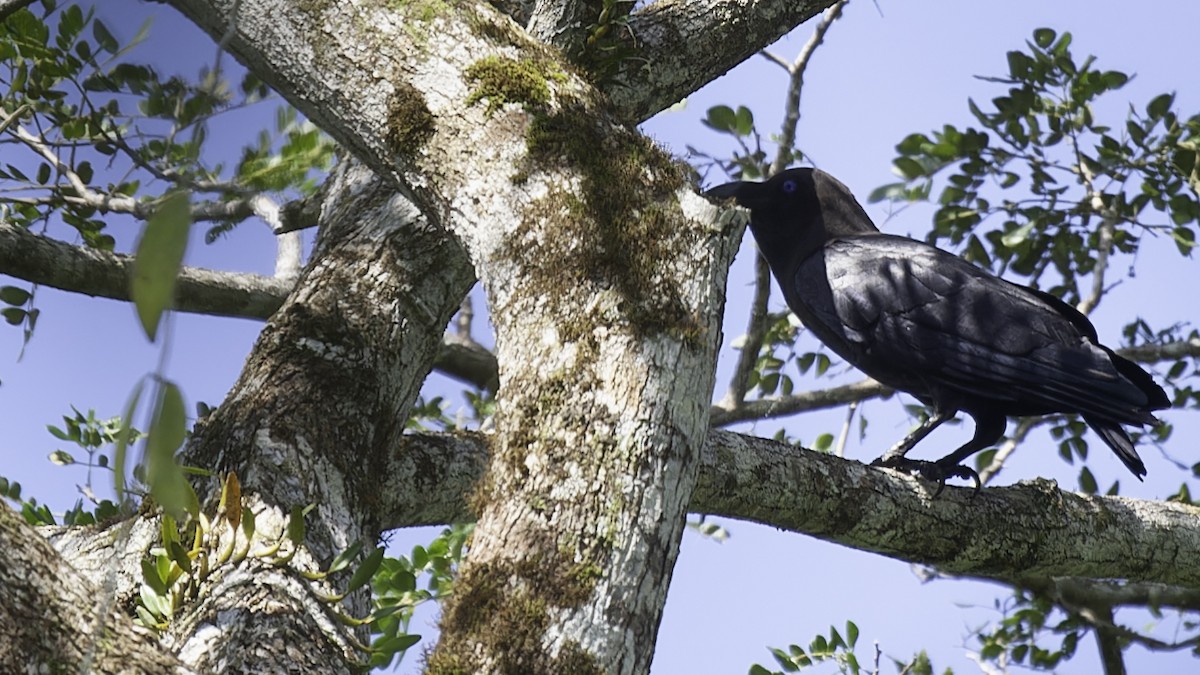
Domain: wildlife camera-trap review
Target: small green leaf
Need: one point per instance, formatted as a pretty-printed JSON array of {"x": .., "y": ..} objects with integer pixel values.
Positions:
[
  {"x": 1044, "y": 37},
  {"x": 721, "y": 118},
  {"x": 151, "y": 577},
  {"x": 295, "y": 528},
  {"x": 1015, "y": 237},
  {"x": 365, "y": 571},
  {"x": 13, "y": 315},
  {"x": 908, "y": 167},
  {"x": 248, "y": 523},
  {"x": 744, "y": 122},
  {"x": 851, "y": 633},
  {"x": 123, "y": 439},
  {"x": 13, "y": 295},
  {"x": 1087, "y": 482},
  {"x": 396, "y": 644},
  {"x": 342, "y": 560},
  {"x": 61, "y": 458},
  {"x": 159, "y": 257},
  {"x": 104, "y": 38},
  {"x": 179, "y": 556},
  {"x": 1159, "y": 105}
]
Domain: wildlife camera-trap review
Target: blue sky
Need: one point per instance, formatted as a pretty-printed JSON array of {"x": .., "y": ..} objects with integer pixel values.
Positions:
[{"x": 885, "y": 71}]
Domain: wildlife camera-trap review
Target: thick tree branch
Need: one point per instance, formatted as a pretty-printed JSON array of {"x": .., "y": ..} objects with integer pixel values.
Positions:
[
  {"x": 1023, "y": 534},
  {"x": 53, "y": 263},
  {"x": 7, "y": 7},
  {"x": 675, "y": 39},
  {"x": 53, "y": 619}
]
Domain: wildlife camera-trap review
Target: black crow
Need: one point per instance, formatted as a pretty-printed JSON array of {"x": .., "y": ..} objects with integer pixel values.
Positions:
[{"x": 924, "y": 321}]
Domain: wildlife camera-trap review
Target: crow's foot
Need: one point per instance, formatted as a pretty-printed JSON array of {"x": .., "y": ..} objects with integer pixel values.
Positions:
[{"x": 931, "y": 471}]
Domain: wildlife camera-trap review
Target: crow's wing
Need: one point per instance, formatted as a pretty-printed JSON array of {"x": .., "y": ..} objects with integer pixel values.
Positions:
[{"x": 928, "y": 322}]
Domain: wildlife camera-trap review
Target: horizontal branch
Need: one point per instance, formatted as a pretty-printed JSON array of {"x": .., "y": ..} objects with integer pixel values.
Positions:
[
  {"x": 1018, "y": 534},
  {"x": 77, "y": 269},
  {"x": 817, "y": 399},
  {"x": 1167, "y": 351},
  {"x": 1091, "y": 593},
  {"x": 681, "y": 45}
]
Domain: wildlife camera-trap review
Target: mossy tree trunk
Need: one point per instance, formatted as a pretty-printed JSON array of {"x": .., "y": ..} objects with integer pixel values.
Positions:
[
  {"x": 491, "y": 155},
  {"x": 604, "y": 274}
]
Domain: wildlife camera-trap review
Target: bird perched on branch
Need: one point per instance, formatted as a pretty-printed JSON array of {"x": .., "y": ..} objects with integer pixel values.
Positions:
[{"x": 924, "y": 321}]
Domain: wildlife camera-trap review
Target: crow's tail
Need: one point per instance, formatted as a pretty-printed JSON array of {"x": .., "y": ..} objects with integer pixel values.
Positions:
[{"x": 1116, "y": 438}]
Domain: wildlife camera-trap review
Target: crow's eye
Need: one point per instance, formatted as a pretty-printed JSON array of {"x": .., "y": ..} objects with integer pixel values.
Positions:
[{"x": 789, "y": 186}]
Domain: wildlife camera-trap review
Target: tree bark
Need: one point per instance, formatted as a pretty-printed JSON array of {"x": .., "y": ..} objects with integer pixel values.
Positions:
[
  {"x": 604, "y": 274},
  {"x": 53, "y": 619},
  {"x": 1026, "y": 534}
]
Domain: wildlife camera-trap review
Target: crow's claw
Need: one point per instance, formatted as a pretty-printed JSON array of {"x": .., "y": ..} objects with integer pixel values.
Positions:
[{"x": 931, "y": 471}]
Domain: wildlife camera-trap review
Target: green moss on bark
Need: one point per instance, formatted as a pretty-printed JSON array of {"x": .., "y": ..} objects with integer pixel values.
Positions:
[{"x": 495, "y": 608}]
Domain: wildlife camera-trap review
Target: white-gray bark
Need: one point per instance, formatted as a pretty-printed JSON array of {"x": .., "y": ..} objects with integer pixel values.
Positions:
[{"x": 491, "y": 156}]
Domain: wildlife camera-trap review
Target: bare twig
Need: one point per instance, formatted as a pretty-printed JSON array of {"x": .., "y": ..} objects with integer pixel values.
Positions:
[
  {"x": 756, "y": 325},
  {"x": 1107, "y": 229},
  {"x": 840, "y": 449},
  {"x": 756, "y": 330},
  {"x": 819, "y": 399},
  {"x": 787, "y": 137}
]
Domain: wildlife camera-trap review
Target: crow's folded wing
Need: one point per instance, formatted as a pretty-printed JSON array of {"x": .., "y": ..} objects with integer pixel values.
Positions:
[{"x": 911, "y": 314}]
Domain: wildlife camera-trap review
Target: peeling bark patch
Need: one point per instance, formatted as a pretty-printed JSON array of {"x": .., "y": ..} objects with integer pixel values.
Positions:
[
  {"x": 617, "y": 231},
  {"x": 409, "y": 122},
  {"x": 497, "y": 610}
]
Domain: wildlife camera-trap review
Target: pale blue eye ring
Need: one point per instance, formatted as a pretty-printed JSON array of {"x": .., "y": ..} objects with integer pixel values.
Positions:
[{"x": 789, "y": 186}]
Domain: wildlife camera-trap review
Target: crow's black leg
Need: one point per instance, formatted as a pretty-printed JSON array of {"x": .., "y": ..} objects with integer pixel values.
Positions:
[
  {"x": 897, "y": 451},
  {"x": 989, "y": 428}
]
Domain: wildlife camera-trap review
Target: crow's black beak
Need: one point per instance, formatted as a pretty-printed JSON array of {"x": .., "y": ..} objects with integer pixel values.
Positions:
[
  {"x": 747, "y": 193},
  {"x": 726, "y": 191}
]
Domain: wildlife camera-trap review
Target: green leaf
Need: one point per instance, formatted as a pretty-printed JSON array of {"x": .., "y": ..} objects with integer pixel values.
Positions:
[
  {"x": 295, "y": 527},
  {"x": 342, "y": 560},
  {"x": 159, "y": 257},
  {"x": 365, "y": 571},
  {"x": 851, "y": 633},
  {"x": 1014, "y": 238},
  {"x": 61, "y": 458},
  {"x": 168, "y": 428},
  {"x": 721, "y": 118},
  {"x": 1159, "y": 106},
  {"x": 13, "y": 316},
  {"x": 151, "y": 577},
  {"x": 1185, "y": 239},
  {"x": 744, "y": 123},
  {"x": 104, "y": 38},
  {"x": 1087, "y": 482},
  {"x": 179, "y": 556},
  {"x": 1044, "y": 37},
  {"x": 123, "y": 434},
  {"x": 908, "y": 167}
]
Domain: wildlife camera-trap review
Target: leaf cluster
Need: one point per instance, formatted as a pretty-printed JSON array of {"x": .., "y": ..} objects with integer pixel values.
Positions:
[{"x": 1087, "y": 188}]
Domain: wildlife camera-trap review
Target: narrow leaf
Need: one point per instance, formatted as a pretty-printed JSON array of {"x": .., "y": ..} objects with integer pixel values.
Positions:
[
  {"x": 123, "y": 441},
  {"x": 167, "y": 431},
  {"x": 365, "y": 571},
  {"x": 159, "y": 257}
]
